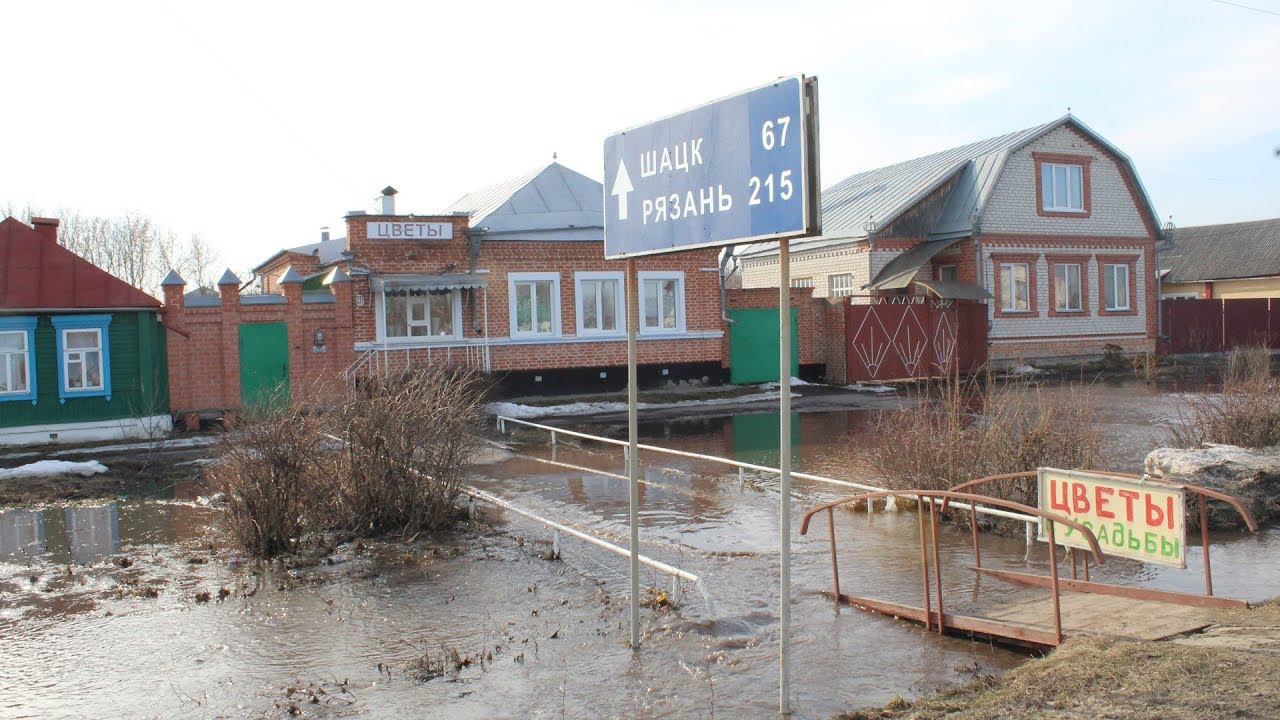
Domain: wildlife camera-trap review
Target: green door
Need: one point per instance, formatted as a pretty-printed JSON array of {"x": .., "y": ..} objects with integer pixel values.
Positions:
[
  {"x": 753, "y": 345},
  {"x": 264, "y": 364}
]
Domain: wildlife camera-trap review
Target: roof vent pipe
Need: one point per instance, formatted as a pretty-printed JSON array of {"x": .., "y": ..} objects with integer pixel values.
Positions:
[
  {"x": 388, "y": 200},
  {"x": 324, "y": 234}
]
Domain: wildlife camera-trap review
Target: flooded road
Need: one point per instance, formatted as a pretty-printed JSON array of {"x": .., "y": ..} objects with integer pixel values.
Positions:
[{"x": 545, "y": 639}]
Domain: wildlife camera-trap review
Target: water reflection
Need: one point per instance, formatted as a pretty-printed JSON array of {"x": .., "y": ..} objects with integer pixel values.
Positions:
[{"x": 22, "y": 533}]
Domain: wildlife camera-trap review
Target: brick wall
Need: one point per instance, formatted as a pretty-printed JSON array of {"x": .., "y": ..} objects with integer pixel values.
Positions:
[
  {"x": 204, "y": 348},
  {"x": 819, "y": 264},
  {"x": 819, "y": 324}
]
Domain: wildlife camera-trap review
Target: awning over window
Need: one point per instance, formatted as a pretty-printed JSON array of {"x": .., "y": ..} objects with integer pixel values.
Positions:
[
  {"x": 429, "y": 282},
  {"x": 955, "y": 289},
  {"x": 897, "y": 274}
]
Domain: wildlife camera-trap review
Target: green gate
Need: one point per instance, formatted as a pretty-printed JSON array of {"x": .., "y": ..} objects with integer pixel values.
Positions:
[
  {"x": 264, "y": 364},
  {"x": 753, "y": 345}
]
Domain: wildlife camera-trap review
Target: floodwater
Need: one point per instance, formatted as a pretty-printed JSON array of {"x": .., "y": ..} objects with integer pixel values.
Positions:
[{"x": 547, "y": 639}]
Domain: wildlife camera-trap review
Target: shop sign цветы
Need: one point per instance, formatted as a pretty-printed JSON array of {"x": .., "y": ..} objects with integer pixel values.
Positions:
[
  {"x": 410, "y": 230},
  {"x": 1131, "y": 518}
]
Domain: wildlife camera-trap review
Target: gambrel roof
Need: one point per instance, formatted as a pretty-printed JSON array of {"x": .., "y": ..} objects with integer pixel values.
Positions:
[{"x": 884, "y": 194}]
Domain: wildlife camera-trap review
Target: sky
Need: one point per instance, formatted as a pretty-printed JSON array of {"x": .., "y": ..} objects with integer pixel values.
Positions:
[{"x": 256, "y": 123}]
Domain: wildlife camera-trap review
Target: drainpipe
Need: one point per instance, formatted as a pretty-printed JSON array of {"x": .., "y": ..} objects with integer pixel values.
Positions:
[
  {"x": 473, "y": 251},
  {"x": 725, "y": 255}
]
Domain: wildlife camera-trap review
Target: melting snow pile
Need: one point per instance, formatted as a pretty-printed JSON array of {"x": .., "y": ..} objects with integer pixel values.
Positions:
[
  {"x": 47, "y": 468},
  {"x": 1025, "y": 370},
  {"x": 859, "y": 387}
]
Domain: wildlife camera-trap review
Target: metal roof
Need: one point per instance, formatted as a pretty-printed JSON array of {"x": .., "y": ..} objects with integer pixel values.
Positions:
[
  {"x": 37, "y": 272},
  {"x": 1221, "y": 252},
  {"x": 551, "y": 203},
  {"x": 899, "y": 271},
  {"x": 885, "y": 193}
]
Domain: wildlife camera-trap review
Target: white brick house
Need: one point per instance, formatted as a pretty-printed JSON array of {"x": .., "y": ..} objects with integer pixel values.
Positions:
[{"x": 1051, "y": 224}]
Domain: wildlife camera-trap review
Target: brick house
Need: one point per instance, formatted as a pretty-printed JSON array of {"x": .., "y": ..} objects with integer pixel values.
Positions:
[
  {"x": 1049, "y": 226},
  {"x": 511, "y": 279},
  {"x": 82, "y": 352}
]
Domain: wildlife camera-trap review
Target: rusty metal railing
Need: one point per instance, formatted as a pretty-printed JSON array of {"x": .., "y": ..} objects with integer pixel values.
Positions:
[
  {"x": 931, "y": 498},
  {"x": 1202, "y": 496}
]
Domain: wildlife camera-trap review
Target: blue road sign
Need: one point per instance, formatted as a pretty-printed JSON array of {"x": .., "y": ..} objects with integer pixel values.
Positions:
[{"x": 736, "y": 170}]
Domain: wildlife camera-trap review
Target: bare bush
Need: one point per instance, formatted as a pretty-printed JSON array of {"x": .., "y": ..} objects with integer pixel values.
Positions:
[
  {"x": 963, "y": 430},
  {"x": 1246, "y": 414},
  {"x": 409, "y": 439},
  {"x": 267, "y": 470},
  {"x": 390, "y": 459}
]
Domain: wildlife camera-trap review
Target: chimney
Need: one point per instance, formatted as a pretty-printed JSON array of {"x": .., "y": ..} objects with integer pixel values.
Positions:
[
  {"x": 324, "y": 234},
  {"x": 47, "y": 227},
  {"x": 388, "y": 200}
]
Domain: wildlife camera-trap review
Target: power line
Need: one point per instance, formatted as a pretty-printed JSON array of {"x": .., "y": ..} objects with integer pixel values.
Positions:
[{"x": 1246, "y": 7}]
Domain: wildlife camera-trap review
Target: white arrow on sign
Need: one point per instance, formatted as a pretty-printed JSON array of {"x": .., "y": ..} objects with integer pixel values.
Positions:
[{"x": 622, "y": 186}]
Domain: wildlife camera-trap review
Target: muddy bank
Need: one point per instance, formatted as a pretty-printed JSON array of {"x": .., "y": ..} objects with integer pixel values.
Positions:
[
  {"x": 1227, "y": 671},
  {"x": 125, "y": 477}
]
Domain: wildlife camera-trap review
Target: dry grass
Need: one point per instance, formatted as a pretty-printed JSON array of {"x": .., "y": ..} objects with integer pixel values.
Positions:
[
  {"x": 1091, "y": 678},
  {"x": 404, "y": 446},
  {"x": 1246, "y": 414},
  {"x": 963, "y": 430}
]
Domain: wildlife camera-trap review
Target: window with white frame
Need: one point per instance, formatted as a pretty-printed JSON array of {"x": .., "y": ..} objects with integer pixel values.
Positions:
[
  {"x": 84, "y": 355},
  {"x": 840, "y": 284},
  {"x": 1015, "y": 287},
  {"x": 661, "y": 302},
  {"x": 1115, "y": 287},
  {"x": 803, "y": 282},
  {"x": 15, "y": 363},
  {"x": 421, "y": 314},
  {"x": 82, "y": 359},
  {"x": 534, "y": 304},
  {"x": 600, "y": 302},
  {"x": 1066, "y": 288},
  {"x": 1062, "y": 187},
  {"x": 947, "y": 273}
]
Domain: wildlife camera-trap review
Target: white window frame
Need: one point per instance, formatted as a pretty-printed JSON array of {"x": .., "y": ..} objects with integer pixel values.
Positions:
[
  {"x": 382, "y": 320},
  {"x": 802, "y": 282},
  {"x": 620, "y": 305},
  {"x": 1062, "y": 300},
  {"x": 68, "y": 352},
  {"x": 1006, "y": 275},
  {"x": 834, "y": 291},
  {"x": 25, "y": 352},
  {"x": 1074, "y": 177},
  {"x": 1109, "y": 280},
  {"x": 678, "y": 276},
  {"x": 515, "y": 278},
  {"x": 955, "y": 272}
]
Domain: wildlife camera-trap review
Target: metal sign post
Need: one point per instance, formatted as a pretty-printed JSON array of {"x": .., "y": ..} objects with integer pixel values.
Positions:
[
  {"x": 633, "y": 449},
  {"x": 784, "y": 470},
  {"x": 741, "y": 169}
]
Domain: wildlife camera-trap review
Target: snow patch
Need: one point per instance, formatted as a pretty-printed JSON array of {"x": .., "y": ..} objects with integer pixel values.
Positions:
[
  {"x": 48, "y": 468},
  {"x": 795, "y": 382},
  {"x": 859, "y": 387},
  {"x": 527, "y": 412},
  {"x": 1024, "y": 370}
]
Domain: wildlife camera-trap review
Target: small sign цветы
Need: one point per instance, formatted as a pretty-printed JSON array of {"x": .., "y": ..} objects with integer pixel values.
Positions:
[
  {"x": 1136, "y": 519},
  {"x": 410, "y": 230}
]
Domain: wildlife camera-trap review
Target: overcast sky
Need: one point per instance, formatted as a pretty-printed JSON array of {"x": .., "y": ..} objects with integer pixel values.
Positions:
[{"x": 255, "y": 123}]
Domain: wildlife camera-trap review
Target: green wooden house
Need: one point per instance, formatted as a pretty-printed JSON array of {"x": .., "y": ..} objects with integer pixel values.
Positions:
[{"x": 82, "y": 353}]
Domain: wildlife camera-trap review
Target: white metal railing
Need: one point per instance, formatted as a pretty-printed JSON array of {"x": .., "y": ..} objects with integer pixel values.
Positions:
[
  {"x": 676, "y": 573},
  {"x": 502, "y": 421}
]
